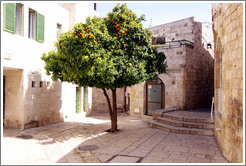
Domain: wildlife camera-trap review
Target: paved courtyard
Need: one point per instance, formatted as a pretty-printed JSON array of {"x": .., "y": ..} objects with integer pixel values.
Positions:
[{"x": 84, "y": 140}]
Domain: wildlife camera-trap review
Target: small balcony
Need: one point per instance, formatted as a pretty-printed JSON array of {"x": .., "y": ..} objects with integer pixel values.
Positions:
[{"x": 174, "y": 44}]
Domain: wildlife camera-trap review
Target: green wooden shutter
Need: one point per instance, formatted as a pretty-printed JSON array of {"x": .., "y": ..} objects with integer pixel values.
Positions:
[
  {"x": 9, "y": 17},
  {"x": 40, "y": 27}
]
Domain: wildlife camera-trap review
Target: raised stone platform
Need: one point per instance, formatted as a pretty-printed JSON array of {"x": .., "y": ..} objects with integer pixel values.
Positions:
[{"x": 195, "y": 121}]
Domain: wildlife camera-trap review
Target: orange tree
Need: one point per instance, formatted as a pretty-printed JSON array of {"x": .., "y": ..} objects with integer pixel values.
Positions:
[{"x": 107, "y": 53}]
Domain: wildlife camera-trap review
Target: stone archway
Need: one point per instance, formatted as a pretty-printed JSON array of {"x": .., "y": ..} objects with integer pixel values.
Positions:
[{"x": 154, "y": 95}]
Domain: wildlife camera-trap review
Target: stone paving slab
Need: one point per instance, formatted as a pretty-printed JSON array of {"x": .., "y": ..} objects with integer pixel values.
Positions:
[
  {"x": 135, "y": 142},
  {"x": 124, "y": 159}
]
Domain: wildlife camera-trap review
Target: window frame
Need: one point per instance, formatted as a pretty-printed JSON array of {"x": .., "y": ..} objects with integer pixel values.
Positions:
[
  {"x": 32, "y": 24},
  {"x": 21, "y": 26},
  {"x": 60, "y": 30},
  {"x": 36, "y": 25}
]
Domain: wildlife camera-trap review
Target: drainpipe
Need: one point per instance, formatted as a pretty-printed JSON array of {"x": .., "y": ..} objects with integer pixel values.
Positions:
[{"x": 95, "y": 6}]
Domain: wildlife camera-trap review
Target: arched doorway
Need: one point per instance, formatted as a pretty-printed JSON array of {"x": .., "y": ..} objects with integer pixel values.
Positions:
[{"x": 154, "y": 95}]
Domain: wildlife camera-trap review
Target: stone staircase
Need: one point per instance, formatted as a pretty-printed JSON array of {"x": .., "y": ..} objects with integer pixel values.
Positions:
[{"x": 162, "y": 119}]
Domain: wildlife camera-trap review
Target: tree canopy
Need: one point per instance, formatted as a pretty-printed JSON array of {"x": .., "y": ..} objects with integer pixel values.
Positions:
[{"x": 110, "y": 52}]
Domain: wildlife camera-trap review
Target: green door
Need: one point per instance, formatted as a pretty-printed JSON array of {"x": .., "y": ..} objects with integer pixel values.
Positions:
[{"x": 78, "y": 100}]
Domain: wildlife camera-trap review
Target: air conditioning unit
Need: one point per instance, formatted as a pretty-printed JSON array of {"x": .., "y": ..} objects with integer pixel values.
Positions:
[{"x": 8, "y": 56}]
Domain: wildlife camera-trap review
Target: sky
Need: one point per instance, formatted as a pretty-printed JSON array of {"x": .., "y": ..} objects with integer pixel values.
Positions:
[{"x": 162, "y": 12}]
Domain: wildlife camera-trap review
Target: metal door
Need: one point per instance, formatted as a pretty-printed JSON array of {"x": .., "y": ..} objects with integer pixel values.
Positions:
[{"x": 154, "y": 95}]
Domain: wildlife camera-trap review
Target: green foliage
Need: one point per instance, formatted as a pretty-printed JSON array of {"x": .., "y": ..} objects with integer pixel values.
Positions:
[{"x": 110, "y": 52}]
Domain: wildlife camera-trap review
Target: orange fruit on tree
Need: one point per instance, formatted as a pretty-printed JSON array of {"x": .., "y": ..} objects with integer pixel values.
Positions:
[
  {"x": 60, "y": 44},
  {"x": 76, "y": 37}
]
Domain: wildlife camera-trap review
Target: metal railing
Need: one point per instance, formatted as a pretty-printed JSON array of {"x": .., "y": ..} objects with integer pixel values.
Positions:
[{"x": 175, "y": 44}]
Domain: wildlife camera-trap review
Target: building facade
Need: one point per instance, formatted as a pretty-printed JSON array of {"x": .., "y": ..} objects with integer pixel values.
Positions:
[
  {"x": 29, "y": 95},
  {"x": 188, "y": 82},
  {"x": 228, "y": 38}
]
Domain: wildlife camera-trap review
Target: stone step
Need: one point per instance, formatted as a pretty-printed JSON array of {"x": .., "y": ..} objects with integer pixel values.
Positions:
[
  {"x": 176, "y": 123},
  {"x": 187, "y": 119},
  {"x": 182, "y": 130}
]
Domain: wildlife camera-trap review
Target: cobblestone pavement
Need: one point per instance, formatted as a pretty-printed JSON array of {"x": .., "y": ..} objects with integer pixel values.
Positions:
[{"x": 71, "y": 142}]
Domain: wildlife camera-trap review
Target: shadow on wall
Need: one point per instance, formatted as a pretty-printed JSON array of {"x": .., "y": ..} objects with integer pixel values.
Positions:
[
  {"x": 206, "y": 79},
  {"x": 99, "y": 102},
  {"x": 42, "y": 101},
  {"x": 200, "y": 70}
]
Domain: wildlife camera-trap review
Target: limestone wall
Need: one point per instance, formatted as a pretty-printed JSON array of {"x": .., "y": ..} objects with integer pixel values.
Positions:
[
  {"x": 42, "y": 99},
  {"x": 137, "y": 99},
  {"x": 177, "y": 30},
  {"x": 99, "y": 102},
  {"x": 14, "y": 108},
  {"x": 189, "y": 78},
  {"x": 199, "y": 73},
  {"x": 228, "y": 39},
  {"x": 174, "y": 79}
]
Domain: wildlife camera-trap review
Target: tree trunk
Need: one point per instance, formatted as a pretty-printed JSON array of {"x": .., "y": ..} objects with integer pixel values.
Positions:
[
  {"x": 112, "y": 110},
  {"x": 114, "y": 115}
]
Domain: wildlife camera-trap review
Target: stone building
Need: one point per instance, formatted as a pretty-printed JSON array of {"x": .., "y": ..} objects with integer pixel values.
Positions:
[
  {"x": 188, "y": 82},
  {"x": 29, "y": 95},
  {"x": 99, "y": 102},
  {"x": 228, "y": 76}
]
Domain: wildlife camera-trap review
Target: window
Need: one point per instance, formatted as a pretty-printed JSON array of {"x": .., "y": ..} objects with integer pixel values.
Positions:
[
  {"x": 160, "y": 40},
  {"x": 209, "y": 46},
  {"x": 13, "y": 17},
  {"x": 48, "y": 84},
  {"x": 33, "y": 84},
  {"x": 31, "y": 24},
  {"x": 19, "y": 19},
  {"x": 36, "y": 26},
  {"x": 41, "y": 84},
  {"x": 58, "y": 30}
]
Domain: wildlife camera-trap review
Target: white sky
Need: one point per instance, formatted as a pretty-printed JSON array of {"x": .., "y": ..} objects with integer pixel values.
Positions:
[{"x": 162, "y": 12}]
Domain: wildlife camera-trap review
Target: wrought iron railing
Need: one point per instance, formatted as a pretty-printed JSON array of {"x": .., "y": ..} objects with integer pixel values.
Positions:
[{"x": 175, "y": 44}]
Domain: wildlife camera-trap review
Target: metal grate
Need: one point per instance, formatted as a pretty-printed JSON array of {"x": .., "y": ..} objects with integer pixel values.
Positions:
[
  {"x": 23, "y": 136},
  {"x": 88, "y": 147}
]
